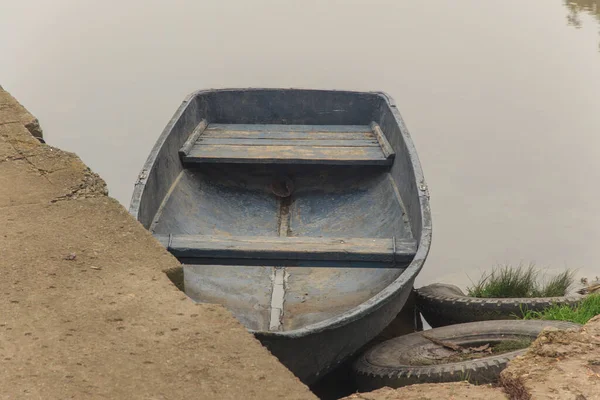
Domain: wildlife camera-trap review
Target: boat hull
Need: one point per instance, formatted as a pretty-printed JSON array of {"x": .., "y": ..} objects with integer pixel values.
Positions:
[
  {"x": 312, "y": 356},
  {"x": 173, "y": 198}
]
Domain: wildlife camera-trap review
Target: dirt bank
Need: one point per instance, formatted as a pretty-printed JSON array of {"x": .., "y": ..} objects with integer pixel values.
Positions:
[
  {"x": 87, "y": 310},
  {"x": 433, "y": 391},
  {"x": 559, "y": 365}
]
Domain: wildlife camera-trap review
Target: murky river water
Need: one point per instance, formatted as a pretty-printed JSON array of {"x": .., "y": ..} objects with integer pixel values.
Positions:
[{"x": 502, "y": 99}]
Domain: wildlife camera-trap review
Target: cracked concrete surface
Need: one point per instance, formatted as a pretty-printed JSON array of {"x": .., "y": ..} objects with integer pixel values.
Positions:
[{"x": 87, "y": 309}]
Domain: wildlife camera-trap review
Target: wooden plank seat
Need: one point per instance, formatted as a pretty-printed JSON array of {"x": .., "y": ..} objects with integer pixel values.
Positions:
[
  {"x": 298, "y": 251},
  {"x": 289, "y": 144}
]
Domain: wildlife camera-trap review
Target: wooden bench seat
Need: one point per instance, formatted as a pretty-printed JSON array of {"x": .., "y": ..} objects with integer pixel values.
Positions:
[
  {"x": 298, "y": 251},
  {"x": 289, "y": 144}
]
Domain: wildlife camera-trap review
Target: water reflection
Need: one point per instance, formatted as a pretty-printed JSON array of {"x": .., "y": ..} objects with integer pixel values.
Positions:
[{"x": 578, "y": 7}]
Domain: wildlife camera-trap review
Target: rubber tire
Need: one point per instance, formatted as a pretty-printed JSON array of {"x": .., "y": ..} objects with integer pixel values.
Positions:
[
  {"x": 388, "y": 363},
  {"x": 442, "y": 305}
]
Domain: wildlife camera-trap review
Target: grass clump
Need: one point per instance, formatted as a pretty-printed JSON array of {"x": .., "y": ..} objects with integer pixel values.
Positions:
[
  {"x": 509, "y": 282},
  {"x": 558, "y": 285},
  {"x": 580, "y": 313},
  {"x": 506, "y": 281}
]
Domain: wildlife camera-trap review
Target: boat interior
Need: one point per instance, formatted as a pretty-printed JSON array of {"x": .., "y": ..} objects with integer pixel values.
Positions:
[{"x": 287, "y": 223}]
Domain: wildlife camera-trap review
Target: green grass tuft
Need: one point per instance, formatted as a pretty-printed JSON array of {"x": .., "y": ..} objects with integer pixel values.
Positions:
[
  {"x": 505, "y": 281},
  {"x": 581, "y": 313},
  {"x": 510, "y": 282},
  {"x": 558, "y": 285}
]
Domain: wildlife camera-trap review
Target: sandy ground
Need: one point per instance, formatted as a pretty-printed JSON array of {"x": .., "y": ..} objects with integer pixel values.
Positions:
[
  {"x": 87, "y": 310},
  {"x": 433, "y": 391},
  {"x": 559, "y": 365}
]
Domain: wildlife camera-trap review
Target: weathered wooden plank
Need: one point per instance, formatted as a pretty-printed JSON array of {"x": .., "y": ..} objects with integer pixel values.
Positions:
[
  {"x": 289, "y": 135},
  {"x": 289, "y": 128},
  {"x": 267, "y": 250},
  {"x": 287, "y": 154},
  {"x": 387, "y": 149},
  {"x": 252, "y": 262},
  {"x": 298, "y": 144},
  {"x": 287, "y": 142},
  {"x": 191, "y": 140}
]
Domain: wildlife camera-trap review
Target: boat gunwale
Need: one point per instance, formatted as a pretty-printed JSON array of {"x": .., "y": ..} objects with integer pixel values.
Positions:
[{"x": 381, "y": 298}]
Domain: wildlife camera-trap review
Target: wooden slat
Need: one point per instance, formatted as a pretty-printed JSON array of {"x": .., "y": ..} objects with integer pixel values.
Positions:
[
  {"x": 287, "y": 154},
  {"x": 289, "y": 135},
  {"x": 289, "y": 128},
  {"x": 191, "y": 140},
  {"x": 287, "y": 142},
  {"x": 277, "y": 250},
  {"x": 278, "y": 131},
  {"x": 252, "y": 262}
]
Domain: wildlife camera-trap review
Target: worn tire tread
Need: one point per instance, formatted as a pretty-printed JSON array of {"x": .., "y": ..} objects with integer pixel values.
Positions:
[
  {"x": 443, "y": 304},
  {"x": 370, "y": 376}
]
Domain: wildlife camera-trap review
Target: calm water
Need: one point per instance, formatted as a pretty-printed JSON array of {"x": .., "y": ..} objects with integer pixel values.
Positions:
[{"x": 502, "y": 98}]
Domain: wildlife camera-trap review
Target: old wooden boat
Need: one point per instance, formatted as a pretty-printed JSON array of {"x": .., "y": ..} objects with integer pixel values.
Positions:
[{"x": 304, "y": 212}]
